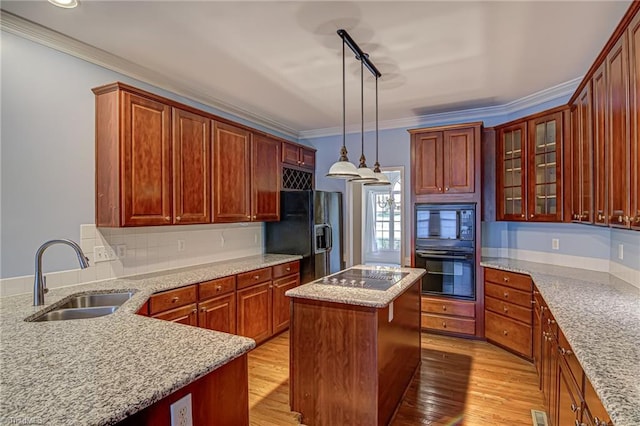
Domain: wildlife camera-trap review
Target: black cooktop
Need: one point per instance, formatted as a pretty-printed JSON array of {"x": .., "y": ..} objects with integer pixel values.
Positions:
[{"x": 365, "y": 278}]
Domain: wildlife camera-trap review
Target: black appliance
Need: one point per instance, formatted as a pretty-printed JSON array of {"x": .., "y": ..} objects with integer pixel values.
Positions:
[
  {"x": 445, "y": 246},
  {"x": 310, "y": 225}
]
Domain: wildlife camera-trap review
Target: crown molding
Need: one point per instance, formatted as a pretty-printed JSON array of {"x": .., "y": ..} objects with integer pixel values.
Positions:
[
  {"x": 47, "y": 37},
  {"x": 468, "y": 115}
]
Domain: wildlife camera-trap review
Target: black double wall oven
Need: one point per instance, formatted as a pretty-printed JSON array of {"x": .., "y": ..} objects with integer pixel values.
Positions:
[{"x": 445, "y": 246}]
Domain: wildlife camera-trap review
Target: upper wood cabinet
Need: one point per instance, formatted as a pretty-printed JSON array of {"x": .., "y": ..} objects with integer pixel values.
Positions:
[
  {"x": 634, "y": 116},
  {"x": 444, "y": 160},
  {"x": 597, "y": 127},
  {"x": 529, "y": 168},
  {"x": 298, "y": 156},
  {"x": 246, "y": 175},
  {"x": 133, "y": 159},
  {"x": 191, "y": 167}
]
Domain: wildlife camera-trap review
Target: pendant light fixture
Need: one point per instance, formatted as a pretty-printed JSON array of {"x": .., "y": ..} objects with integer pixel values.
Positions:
[
  {"x": 343, "y": 168},
  {"x": 382, "y": 179},
  {"x": 364, "y": 172}
]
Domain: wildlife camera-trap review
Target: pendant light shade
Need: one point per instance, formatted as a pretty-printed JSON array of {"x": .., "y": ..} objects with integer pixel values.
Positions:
[
  {"x": 343, "y": 168},
  {"x": 382, "y": 179}
]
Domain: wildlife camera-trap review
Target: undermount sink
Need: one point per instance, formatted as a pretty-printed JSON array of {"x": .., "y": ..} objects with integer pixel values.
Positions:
[
  {"x": 76, "y": 313},
  {"x": 86, "y": 306}
]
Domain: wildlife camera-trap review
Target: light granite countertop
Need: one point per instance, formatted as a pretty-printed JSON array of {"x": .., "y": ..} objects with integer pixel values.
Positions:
[
  {"x": 599, "y": 315},
  {"x": 99, "y": 371},
  {"x": 319, "y": 290}
]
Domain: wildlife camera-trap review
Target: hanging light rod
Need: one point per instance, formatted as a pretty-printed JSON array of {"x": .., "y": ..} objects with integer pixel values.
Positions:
[{"x": 360, "y": 55}]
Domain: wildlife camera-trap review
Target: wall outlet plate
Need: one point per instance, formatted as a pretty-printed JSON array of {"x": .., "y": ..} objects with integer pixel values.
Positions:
[
  {"x": 181, "y": 412},
  {"x": 103, "y": 254},
  {"x": 181, "y": 245},
  {"x": 621, "y": 251},
  {"x": 555, "y": 244}
]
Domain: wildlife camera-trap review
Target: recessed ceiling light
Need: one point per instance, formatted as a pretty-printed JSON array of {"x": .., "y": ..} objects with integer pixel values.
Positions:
[{"x": 67, "y": 4}]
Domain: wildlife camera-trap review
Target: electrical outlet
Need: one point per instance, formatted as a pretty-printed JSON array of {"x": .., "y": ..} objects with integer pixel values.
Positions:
[
  {"x": 181, "y": 245},
  {"x": 181, "y": 412},
  {"x": 121, "y": 251},
  {"x": 621, "y": 251},
  {"x": 555, "y": 244},
  {"x": 100, "y": 254}
]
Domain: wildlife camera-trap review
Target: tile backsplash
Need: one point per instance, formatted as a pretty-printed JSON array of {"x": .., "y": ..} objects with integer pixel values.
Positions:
[{"x": 150, "y": 249}]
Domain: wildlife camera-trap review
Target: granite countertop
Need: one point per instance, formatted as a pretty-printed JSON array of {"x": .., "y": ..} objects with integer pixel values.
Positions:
[
  {"x": 599, "y": 315},
  {"x": 318, "y": 290},
  {"x": 99, "y": 371}
]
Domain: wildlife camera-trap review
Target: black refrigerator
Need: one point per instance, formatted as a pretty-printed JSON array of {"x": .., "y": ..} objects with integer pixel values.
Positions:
[{"x": 310, "y": 225}]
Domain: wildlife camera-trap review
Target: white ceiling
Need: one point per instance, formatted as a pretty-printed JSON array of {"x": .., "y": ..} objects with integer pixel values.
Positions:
[{"x": 281, "y": 61}]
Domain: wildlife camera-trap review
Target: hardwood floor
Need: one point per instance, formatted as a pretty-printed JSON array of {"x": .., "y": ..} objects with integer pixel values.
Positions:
[{"x": 460, "y": 382}]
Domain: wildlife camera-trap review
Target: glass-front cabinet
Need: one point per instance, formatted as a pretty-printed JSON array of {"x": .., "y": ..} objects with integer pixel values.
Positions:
[
  {"x": 529, "y": 173},
  {"x": 511, "y": 174}
]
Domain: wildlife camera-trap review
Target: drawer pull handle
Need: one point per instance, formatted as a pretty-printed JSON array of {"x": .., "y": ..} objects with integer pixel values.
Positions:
[
  {"x": 574, "y": 407},
  {"x": 565, "y": 352},
  {"x": 218, "y": 288},
  {"x": 257, "y": 277},
  {"x": 505, "y": 332},
  {"x": 175, "y": 299},
  {"x": 288, "y": 269},
  {"x": 195, "y": 311},
  {"x": 444, "y": 308},
  {"x": 444, "y": 324},
  {"x": 550, "y": 321},
  {"x": 506, "y": 294},
  {"x": 505, "y": 309},
  {"x": 506, "y": 279}
]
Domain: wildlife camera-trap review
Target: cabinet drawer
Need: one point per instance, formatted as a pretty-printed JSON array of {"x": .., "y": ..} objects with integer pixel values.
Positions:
[
  {"x": 286, "y": 269},
  {"x": 253, "y": 277},
  {"x": 507, "y": 309},
  {"x": 213, "y": 288},
  {"x": 448, "y": 307},
  {"x": 444, "y": 323},
  {"x": 172, "y": 299},
  {"x": 184, "y": 315},
  {"x": 509, "y": 279},
  {"x": 508, "y": 294},
  {"x": 508, "y": 333}
]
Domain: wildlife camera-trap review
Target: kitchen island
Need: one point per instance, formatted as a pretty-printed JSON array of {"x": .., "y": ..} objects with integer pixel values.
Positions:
[
  {"x": 103, "y": 370},
  {"x": 354, "y": 344}
]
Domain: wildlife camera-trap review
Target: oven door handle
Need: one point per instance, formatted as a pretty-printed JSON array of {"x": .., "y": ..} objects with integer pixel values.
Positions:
[{"x": 434, "y": 255}]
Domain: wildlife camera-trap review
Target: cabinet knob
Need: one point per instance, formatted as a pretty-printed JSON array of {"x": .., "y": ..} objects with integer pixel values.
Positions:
[
  {"x": 506, "y": 294},
  {"x": 505, "y": 279},
  {"x": 522, "y": 215},
  {"x": 505, "y": 332},
  {"x": 574, "y": 408},
  {"x": 565, "y": 352},
  {"x": 446, "y": 189},
  {"x": 178, "y": 218},
  {"x": 600, "y": 217},
  {"x": 439, "y": 189},
  {"x": 550, "y": 321},
  {"x": 254, "y": 217},
  {"x": 444, "y": 324},
  {"x": 637, "y": 219},
  {"x": 626, "y": 219},
  {"x": 167, "y": 218},
  {"x": 543, "y": 308},
  {"x": 256, "y": 277},
  {"x": 505, "y": 309},
  {"x": 195, "y": 311},
  {"x": 444, "y": 307},
  {"x": 175, "y": 299},
  {"x": 619, "y": 219},
  {"x": 248, "y": 216},
  {"x": 288, "y": 269},
  {"x": 218, "y": 288}
]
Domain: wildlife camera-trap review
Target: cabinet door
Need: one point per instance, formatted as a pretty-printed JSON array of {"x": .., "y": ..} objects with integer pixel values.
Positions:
[
  {"x": 191, "y": 168},
  {"x": 281, "y": 309},
  {"x": 307, "y": 158},
  {"x": 537, "y": 334},
  {"x": 459, "y": 161},
  {"x": 600, "y": 181},
  {"x": 576, "y": 170},
  {"x": 569, "y": 404},
  {"x": 290, "y": 154},
  {"x": 511, "y": 172},
  {"x": 255, "y": 312},
  {"x": 634, "y": 99},
  {"x": 219, "y": 313},
  {"x": 428, "y": 156},
  {"x": 618, "y": 132},
  {"x": 146, "y": 161},
  {"x": 265, "y": 179},
  {"x": 231, "y": 171},
  {"x": 545, "y": 171},
  {"x": 187, "y": 315}
]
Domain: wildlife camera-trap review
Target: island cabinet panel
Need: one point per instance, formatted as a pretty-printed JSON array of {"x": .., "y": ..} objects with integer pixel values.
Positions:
[
  {"x": 220, "y": 398},
  {"x": 231, "y": 173},
  {"x": 351, "y": 364},
  {"x": 191, "y": 167},
  {"x": 255, "y": 311}
]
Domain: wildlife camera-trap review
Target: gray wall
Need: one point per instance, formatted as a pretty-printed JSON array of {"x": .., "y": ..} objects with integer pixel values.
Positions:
[{"x": 47, "y": 150}]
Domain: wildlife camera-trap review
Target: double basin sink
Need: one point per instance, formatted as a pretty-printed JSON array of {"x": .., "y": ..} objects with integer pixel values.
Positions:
[{"x": 86, "y": 306}]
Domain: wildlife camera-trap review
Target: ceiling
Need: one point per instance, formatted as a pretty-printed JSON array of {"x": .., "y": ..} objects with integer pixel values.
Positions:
[{"x": 280, "y": 61}]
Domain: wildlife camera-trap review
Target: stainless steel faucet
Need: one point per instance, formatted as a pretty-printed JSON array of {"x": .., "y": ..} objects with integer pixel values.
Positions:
[{"x": 39, "y": 282}]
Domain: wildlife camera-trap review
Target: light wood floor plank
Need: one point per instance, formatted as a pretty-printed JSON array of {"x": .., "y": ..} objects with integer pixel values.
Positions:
[{"x": 460, "y": 382}]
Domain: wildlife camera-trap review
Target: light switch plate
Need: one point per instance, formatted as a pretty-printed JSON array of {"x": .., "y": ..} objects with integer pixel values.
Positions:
[{"x": 181, "y": 412}]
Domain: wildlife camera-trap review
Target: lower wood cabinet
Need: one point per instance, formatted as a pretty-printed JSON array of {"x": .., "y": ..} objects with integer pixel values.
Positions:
[
  {"x": 258, "y": 309},
  {"x": 508, "y": 312},
  {"x": 448, "y": 316}
]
